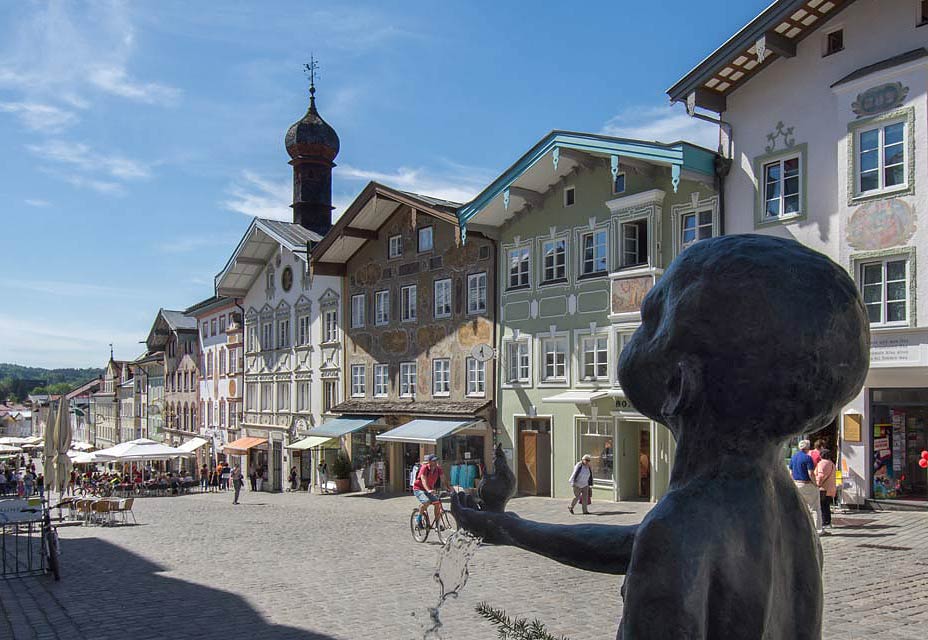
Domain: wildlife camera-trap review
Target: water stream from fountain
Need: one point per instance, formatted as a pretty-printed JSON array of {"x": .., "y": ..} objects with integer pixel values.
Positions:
[{"x": 451, "y": 574}]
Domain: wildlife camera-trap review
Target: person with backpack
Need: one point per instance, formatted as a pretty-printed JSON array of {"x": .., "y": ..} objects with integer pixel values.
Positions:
[{"x": 581, "y": 481}]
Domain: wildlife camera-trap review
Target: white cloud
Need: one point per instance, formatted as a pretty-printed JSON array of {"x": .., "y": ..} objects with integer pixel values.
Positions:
[
  {"x": 83, "y": 157},
  {"x": 40, "y": 117},
  {"x": 459, "y": 186},
  {"x": 255, "y": 196},
  {"x": 662, "y": 124},
  {"x": 100, "y": 186},
  {"x": 37, "y": 202},
  {"x": 114, "y": 80}
]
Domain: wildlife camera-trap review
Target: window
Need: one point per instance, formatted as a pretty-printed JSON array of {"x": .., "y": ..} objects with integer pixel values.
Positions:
[
  {"x": 212, "y": 327},
  {"x": 357, "y": 380},
  {"x": 595, "y": 437},
  {"x": 781, "y": 188},
  {"x": 695, "y": 226},
  {"x": 408, "y": 301},
  {"x": 834, "y": 41},
  {"x": 252, "y": 338},
  {"x": 222, "y": 362},
  {"x": 443, "y": 298},
  {"x": 407, "y": 379},
  {"x": 594, "y": 252},
  {"x": 554, "y": 356},
  {"x": 441, "y": 377},
  {"x": 554, "y": 256},
  {"x": 395, "y": 249},
  {"x": 283, "y": 334},
  {"x": 518, "y": 267},
  {"x": 477, "y": 293},
  {"x": 885, "y": 288},
  {"x": 222, "y": 324},
  {"x": 922, "y": 13},
  {"x": 382, "y": 308},
  {"x": 517, "y": 362},
  {"x": 634, "y": 243},
  {"x": 302, "y": 396},
  {"x": 329, "y": 395},
  {"x": 267, "y": 396},
  {"x": 594, "y": 358},
  {"x": 618, "y": 185},
  {"x": 209, "y": 364},
  {"x": 233, "y": 423},
  {"x": 570, "y": 196},
  {"x": 882, "y": 158},
  {"x": 283, "y": 396},
  {"x": 381, "y": 380},
  {"x": 303, "y": 323},
  {"x": 331, "y": 326},
  {"x": 357, "y": 311},
  {"x": 267, "y": 336},
  {"x": 204, "y": 329},
  {"x": 425, "y": 239},
  {"x": 476, "y": 377}
]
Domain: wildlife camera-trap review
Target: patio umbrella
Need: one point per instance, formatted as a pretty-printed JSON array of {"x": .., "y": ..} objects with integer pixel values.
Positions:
[
  {"x": 57, "y": 443},
  {"x": 141, "y": 449},
  {"x": 82, "y": 457},
  {"x": 9, "y": 449}
]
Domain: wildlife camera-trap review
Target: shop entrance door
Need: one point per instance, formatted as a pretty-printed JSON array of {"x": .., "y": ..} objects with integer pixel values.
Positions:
[
  {"x": 899, "y": 433},
  {"x": 277, "y": 461},
  {"x": 534, "y": 456}
]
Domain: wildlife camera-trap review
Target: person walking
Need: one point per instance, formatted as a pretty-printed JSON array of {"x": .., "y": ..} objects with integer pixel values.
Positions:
[
  {"x": 323, "y": 476},
  {"x": 204, "y": 477},
  {"x": 802, "y": 471},
  {"x": 581, "y": 481},
  {"x": 816, "y": 451},
  {"x": 40, "y": 485},
  {"x": 827, "y": 489},
  {"x": 294, "y": 483},
  {"x": 237, "y": 481},
  {"x": 253, "y": 479}
]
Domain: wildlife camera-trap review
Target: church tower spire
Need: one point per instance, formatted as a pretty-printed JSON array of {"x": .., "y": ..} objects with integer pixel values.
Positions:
[{"x": 312, "y": 145}]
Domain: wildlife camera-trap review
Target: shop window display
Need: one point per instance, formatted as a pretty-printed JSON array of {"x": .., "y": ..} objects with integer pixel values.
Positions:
[
  {"x": 461, "y": 455},
  {"x": 596, "y": 437},
  {"x": 899, "y": 421}
]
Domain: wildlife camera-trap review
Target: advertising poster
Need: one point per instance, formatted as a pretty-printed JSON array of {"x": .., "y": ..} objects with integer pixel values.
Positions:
[
  {"x": 883, "y": 484},
  {"x": 898, "y": 443}
]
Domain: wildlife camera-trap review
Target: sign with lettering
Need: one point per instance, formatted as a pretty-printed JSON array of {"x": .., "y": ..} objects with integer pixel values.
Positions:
[
  {"x": 622, "y": 404},
  {"x": 879, "y": 99},
  {"x": 894, "y": 349}
]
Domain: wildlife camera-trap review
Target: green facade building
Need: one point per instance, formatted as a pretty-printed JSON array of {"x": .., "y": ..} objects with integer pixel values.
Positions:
[{"x": 585, "y": 225}]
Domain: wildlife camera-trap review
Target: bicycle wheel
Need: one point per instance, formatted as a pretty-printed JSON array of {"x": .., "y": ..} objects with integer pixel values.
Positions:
[
  {"x": 51, "y": 553},
  {"x": 419, "y": 528},
  {"x": 447, "y": 525}
]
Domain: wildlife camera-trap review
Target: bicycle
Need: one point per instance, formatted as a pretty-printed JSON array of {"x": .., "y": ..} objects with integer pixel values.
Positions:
[
  {"x": 421, "y": 527},
  {"x": 50, "y": 547}
]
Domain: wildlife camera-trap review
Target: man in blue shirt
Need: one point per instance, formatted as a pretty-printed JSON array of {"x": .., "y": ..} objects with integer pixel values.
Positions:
[{"x": 802, "y": 469}]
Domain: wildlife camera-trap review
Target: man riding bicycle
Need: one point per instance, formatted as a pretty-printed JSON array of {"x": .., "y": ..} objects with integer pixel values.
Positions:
[{"x": 425, "y": 488}]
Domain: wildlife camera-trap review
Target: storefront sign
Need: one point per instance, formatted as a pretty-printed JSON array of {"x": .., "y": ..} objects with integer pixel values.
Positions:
[
  {"x": 879, "y": 99},
  {"x": 893, "y": 349},
  {"x": 881, "y": 444},
  {"x": 622, "y": 404},
  {"x": 852, "y": 427}
]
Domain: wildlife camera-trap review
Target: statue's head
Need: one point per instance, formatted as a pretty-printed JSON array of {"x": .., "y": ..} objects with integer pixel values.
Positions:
[{"x": 748, "y": 336}]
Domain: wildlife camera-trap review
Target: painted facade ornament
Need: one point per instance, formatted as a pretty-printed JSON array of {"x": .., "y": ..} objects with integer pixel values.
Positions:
[
  {"x": 780, "y": 131},
  {"x": 760, "y": 47},
  {"x": 506, "y": 199},
  {"x": 879, "y": 99},
  {"x": 533, "y": 309},
  {"x": 614, "y": 167},
  {"x": 572, "y": 304},
  {"x": 555, "y": 156},
  {"x": 675, "y": 176},
  {"x": 881, "y": 224},
  {"x": 694, "y": 199}
]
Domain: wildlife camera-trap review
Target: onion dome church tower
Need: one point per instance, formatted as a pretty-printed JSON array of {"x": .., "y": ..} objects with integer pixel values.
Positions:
[{"x": 312, "y": 145}]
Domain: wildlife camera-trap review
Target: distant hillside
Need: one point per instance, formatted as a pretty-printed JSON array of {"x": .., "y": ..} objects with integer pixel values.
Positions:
[{"x": 17, "y": 381}]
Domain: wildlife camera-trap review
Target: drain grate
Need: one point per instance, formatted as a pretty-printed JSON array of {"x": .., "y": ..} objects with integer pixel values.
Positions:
[{"x": 884, "y": 547}]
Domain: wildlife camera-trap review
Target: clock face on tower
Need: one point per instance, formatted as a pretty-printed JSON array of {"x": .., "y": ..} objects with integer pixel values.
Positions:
[{"x": 286, "y": 278}]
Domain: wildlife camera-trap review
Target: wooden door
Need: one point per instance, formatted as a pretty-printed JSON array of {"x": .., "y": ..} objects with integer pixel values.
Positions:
[{"x": 528, "y": 462}]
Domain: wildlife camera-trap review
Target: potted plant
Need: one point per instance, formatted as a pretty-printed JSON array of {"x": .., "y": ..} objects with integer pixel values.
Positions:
[{"x": 341, "y": 471}]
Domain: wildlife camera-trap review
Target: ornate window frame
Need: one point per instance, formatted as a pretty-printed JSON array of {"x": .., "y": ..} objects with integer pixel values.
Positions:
[
  {"x": 761, "y": 221},
  {"x": 904, "y": 114}
]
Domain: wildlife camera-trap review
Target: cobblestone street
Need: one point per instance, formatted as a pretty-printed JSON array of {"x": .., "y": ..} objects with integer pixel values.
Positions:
[{"x": 313, "y": 567}]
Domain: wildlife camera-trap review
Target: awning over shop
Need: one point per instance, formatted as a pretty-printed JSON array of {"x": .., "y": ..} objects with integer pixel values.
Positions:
[
  {"x": 193, "y": 444},
  {"x": 424, "y": 431},
  {"x": 309, "y": 442},
  {"x": 241, "y": 446},
  {"x": 341, "y": 426},
  {"x": 576, "y": 397}
]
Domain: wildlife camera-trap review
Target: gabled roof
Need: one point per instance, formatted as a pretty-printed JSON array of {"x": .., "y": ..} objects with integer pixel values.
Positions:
[
  {"x": 777, "y": 30},
  {"x": 178, "y": 321},
  {"x": 364, "y": 216},
  {"x": 206, "y": 306},
  {"x": 166, "y": 322},
  {"x": 88, "y": 387},
  {"x": 256, "y": 248},
  {"x": 562, "y": 151}
]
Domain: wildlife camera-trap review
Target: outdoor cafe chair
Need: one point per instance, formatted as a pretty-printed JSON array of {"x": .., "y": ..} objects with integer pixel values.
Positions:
[{"x": 124, "y": 507}]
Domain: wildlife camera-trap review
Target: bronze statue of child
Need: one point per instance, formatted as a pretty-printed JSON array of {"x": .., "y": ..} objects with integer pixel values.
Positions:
[{"x": 744, "y": 341}]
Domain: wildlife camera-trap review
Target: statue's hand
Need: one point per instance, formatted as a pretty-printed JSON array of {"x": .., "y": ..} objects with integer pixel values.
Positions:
[
  {"x": 483, "y": 524},
  {"x": 496, "y": 488}
]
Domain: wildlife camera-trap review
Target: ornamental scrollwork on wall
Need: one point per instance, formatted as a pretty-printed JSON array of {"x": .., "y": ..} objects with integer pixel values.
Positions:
[{"x": 783, "y": 132}]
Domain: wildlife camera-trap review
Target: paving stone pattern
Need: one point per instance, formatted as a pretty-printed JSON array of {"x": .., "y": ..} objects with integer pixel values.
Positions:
[{"x": 312, "y": 567}]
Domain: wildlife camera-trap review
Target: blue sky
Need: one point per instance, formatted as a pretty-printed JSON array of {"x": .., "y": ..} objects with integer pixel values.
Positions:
[{"x": 138, "y": 138}]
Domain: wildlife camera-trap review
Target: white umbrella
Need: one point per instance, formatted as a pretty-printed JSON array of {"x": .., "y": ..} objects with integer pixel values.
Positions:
[
  {"x": 13, "y": 440},
  {"x": 8, "y": 448},
  {"x": 141, "y": 449},
  {"x": 82, "y": 457},
  {"x": 57, "y": 443},
  {"x": 81, "y": 446}
]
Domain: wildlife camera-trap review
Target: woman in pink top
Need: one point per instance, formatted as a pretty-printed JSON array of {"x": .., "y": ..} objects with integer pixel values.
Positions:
[{"x": 825, "y": 479}]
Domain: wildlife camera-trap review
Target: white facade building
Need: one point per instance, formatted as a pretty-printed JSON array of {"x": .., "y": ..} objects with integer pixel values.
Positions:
[
  {"x": 824, "y": 107},
  {"x": 292, "y": 344}
]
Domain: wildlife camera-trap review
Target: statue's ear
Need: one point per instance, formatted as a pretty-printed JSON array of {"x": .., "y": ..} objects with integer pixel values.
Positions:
[{"x": 685, "y": 387}]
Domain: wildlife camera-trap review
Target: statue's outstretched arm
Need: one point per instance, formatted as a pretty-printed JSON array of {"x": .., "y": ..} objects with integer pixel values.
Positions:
[{"x": 591, "y": 547}]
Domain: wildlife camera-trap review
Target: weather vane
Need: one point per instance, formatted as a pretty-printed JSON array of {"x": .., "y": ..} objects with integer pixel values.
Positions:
[{"x": 311, "y": 70}]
